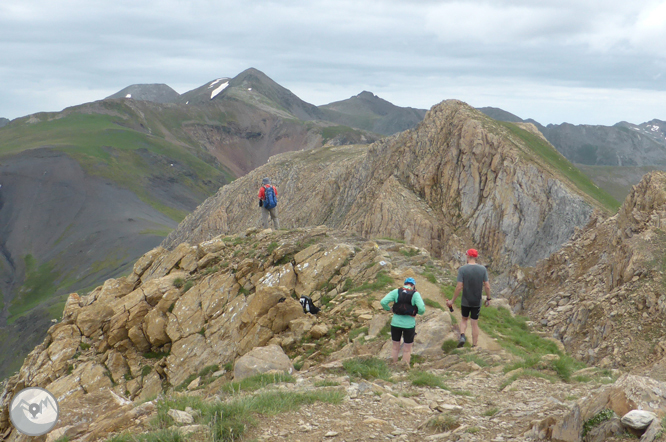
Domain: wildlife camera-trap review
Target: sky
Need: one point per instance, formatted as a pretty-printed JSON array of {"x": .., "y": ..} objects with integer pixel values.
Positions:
[{"x": 582, "y": 62}]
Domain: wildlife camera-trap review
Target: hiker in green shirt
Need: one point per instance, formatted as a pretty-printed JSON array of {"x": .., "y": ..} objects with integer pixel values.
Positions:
[{"x": 407, "y": 303}]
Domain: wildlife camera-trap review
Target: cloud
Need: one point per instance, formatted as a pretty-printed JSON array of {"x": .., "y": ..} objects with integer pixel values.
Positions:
[{"x": 55, "y": 54}]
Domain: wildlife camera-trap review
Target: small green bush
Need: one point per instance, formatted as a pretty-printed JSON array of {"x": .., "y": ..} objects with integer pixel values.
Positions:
[
  {"x": 449, "y": 345},
  {"x": 442, "y": 423},
  {"x": 272, "y": 246},
  {"x": 178, "y": 282},
  {"x": 426, "y": 379},
  {"x": 84, "y": 346},
  {"x": 188, "y": 285},
  {"x": 370, "y": 368},
  {"x": 155, "y": 355},
  {"x": 602, "y": 416}
]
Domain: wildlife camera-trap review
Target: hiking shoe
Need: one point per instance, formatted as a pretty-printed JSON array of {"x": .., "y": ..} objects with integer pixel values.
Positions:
[{"x": 462, "y": 341}]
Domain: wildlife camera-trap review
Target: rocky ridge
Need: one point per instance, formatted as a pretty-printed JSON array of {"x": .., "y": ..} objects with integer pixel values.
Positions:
[
  {"x": 459, "y": 178},
  {"x": 187, "y": 322},
  {"x": 602, "y": 294}
]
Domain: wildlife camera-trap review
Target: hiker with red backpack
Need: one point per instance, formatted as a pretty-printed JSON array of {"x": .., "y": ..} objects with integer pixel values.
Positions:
[
  {"x": 407, "y": 303},
  {"x": 268, "y": 204}
]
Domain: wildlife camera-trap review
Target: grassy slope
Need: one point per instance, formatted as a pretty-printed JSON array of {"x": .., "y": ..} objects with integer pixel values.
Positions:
[
  {"x": 546, "y": 153},
  {"x": 106, "y": 147}
]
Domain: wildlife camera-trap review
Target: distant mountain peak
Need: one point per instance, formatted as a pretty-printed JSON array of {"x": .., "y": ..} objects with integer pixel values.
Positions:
[
  {"x": 4, "y": 122},
  {"x": 157, "y": 93}
]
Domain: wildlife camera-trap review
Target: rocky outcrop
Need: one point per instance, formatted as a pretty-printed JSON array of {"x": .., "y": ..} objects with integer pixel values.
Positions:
[
  {"x": 458, "y": 179},
  {"x": 602, "y": 293},
  {"x": 184, "y": 313},
  {"x": 624, "y": 398}
]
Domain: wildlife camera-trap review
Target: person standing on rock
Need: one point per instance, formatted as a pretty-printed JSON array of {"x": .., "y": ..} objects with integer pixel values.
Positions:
[
  {"x": 407, "y": 303},
  {"x": 472, "y": 281},
  {"x": 268, "y": 204}
]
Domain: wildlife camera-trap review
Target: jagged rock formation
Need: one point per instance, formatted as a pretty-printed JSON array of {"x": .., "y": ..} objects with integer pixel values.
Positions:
[
  {"x": 457, "y": 180},
  {"x": 4, "y": 122},
  {"x": 602, "y": 294},
  {"x": 135, "y": 336}
]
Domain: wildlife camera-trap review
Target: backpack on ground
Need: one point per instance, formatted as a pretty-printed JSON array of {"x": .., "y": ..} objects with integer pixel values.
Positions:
[
  {"x": 403, "y": 306},
  {"x": 270, "y": 200},
  {"x": 308, "y": 305}
]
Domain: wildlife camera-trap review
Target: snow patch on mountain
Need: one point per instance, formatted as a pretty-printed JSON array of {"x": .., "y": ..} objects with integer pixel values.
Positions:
[{"x": 218, "y": 89}]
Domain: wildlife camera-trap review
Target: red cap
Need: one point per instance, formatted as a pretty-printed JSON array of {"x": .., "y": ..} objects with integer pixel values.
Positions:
[{"x": 472, "y": 253}]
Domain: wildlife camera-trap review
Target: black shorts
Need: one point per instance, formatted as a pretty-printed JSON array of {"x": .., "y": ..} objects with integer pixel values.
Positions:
[
  {"x": 465, "y": 312},
  {"x": 408, "y": 333}
]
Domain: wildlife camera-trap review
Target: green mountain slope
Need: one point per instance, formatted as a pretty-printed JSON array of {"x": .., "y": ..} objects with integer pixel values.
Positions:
[
  {"x": 369, "y": 112},
  {"x": 88, "y": 190}
]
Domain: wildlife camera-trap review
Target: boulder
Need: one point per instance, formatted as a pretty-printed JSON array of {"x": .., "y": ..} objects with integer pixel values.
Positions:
[
  {"x": 316, "y": 265},
  {"x": 117, "y": 366},
  {"x": 262, "y": 360},
  {"x": 436, "y": 329},
  {"x": 299, "y": 327},
  {"x": 90, "y": 319},
  {"x": 318, "y": 331},
  {"x": 630, "y": 392},
  {"x": 377, "y": 324},
  {"x": 638, "y": 419},
  {"x": 262, "y": 301},
  {"x": 154, "y": 327},
  {"x": 181, "y": 417}
]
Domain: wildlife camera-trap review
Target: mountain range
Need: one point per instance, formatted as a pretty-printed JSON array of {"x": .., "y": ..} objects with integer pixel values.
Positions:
[
  {"x": 86, "y": 191},
  {"x": 614, "y": 157},
  {"x": 204, "y": 325}
]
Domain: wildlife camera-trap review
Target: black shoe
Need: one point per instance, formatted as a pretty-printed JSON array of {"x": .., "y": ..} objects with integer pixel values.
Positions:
[{"x": 462, "y": 341}]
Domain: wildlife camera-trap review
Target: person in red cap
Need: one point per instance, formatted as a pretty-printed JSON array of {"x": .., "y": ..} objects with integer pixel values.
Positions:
[{"x": 472, "y": 281}]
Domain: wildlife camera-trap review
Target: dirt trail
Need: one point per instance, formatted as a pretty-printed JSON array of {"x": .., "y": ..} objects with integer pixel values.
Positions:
[{"x": 431, "y": 291}]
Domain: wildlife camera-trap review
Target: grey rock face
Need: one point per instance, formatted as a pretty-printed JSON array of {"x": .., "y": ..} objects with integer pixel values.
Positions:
[{"x": 454, "y": 182}]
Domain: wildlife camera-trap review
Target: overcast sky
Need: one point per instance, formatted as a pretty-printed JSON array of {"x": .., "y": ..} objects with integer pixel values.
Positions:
[{"x": 583, "y": 61}]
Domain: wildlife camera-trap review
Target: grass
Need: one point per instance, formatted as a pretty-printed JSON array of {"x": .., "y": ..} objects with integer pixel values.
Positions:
[
  {"x": 326, "y": 383},
  {"x": 84, "y": 346},
  {"x": 257, "y": 382},
  {"x": 449, "y": 345},
  {"x": 155, "y": 355},
  {"x": 371, "y": 368},
  {"x": 178, "y": 282},
  {"x": 558, "y": 162},
  {"x": 164, "y": 435},
  {"x": 272, "y": 246},
  {"x": 229, "y": 420},
  {"x": 514, "y": 335},
  {"x": 331, "y": 132},
  {"x": 434, "y": 304},
  {"x": 39, "y": 286},
  {"x": 491, "y": 412},
  {"x": 381, "y": 281},
  {"x": 188, "y": 285},
  {"x": 113, "y": 144},
  {"x": 426, "y": 379},
  {"x": 442, "y": 423},
  {"x": 355, "y": 333},
  {"x": 600, "y": 417}
]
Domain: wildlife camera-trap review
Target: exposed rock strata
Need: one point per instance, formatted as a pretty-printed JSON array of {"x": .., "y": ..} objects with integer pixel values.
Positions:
[
  {"x": 602, "y": 294},
  {"x": 458, "y": 179}
]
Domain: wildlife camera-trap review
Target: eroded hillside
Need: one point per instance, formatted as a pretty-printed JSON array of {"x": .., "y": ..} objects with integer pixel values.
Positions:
[
  {"x": 459, "y": 178},
  {"x": 602, "y": 294}
]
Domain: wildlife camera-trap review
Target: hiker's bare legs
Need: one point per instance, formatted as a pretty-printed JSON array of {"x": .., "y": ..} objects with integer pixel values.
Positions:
[
  {"x": 407, "y": 353},
  {"x": 395, "y": 351},
  {"x": 475, "y": 331},
  {"x": 463, "y": 325},
  {"x": 265, "y": 213},
  {"x": 274, "y": 218}
]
